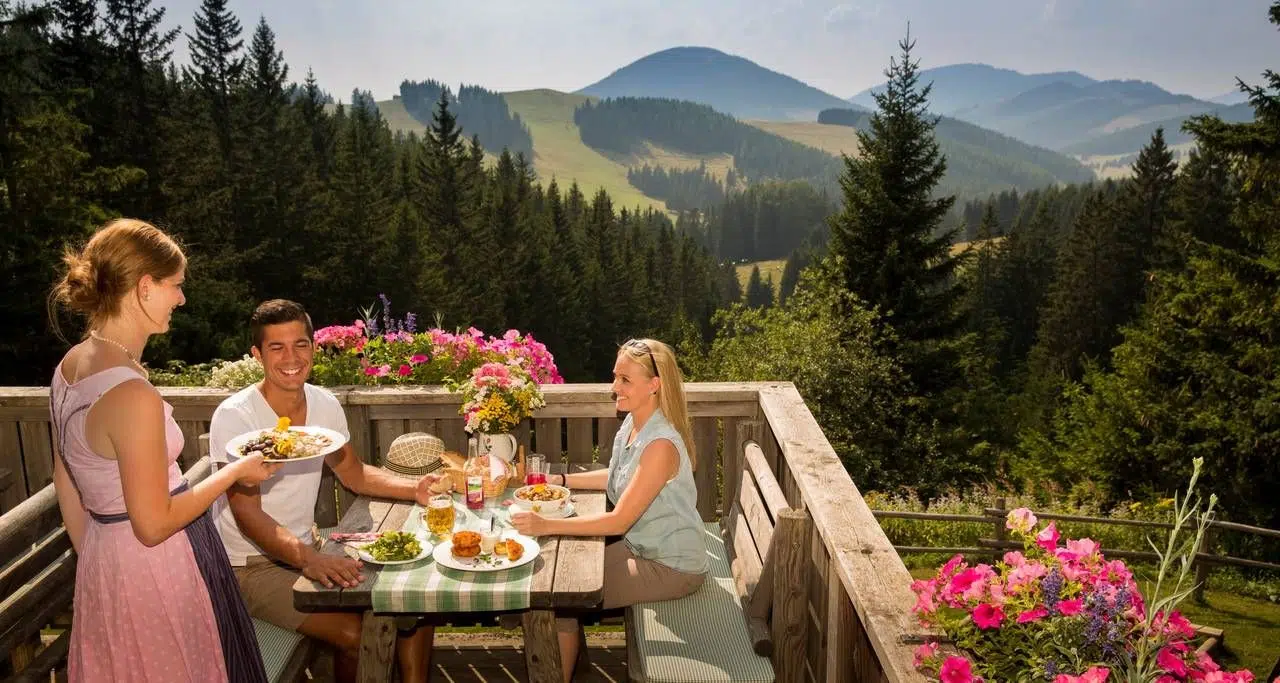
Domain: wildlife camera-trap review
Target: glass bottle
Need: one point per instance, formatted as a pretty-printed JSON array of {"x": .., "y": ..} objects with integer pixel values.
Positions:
[{"x": 474, "y": 471}]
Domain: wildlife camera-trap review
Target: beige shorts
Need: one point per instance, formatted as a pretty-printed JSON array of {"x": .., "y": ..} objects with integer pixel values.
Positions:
[
  {"x": 629, "y": 579},
  {"x": 267, "y": 587}
]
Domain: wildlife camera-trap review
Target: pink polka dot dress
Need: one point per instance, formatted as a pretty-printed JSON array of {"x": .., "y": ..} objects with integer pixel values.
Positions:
[{"x": 142, "y": 614}]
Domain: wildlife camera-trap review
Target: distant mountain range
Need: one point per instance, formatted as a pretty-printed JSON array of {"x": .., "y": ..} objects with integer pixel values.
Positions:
[
  {"x": 1066, "y": 110},
  {"x": 729, "y": 84},
  {"x": 960, "y": 87}
]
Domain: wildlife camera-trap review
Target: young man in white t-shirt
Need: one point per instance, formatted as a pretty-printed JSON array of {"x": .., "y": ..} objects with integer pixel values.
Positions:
[{"x": 267, "y": 529}]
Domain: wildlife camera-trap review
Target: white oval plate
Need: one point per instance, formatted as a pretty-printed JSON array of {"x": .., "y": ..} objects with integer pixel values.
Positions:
[
  {"x": 443, "y": 555},
  {"x": 336, "y": 441},
  {"x": 423, "y": 540}
]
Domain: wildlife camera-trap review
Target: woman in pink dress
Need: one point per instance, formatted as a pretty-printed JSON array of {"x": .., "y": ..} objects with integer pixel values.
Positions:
[{"x": 155, "y": 597}]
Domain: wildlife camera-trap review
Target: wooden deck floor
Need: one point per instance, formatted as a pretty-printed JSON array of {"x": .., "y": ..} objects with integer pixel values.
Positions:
[{"x": 497, "y": 661}]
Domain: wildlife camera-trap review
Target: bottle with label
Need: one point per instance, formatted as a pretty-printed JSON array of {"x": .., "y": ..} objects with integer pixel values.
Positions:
[{"x": 474, "y": 471}]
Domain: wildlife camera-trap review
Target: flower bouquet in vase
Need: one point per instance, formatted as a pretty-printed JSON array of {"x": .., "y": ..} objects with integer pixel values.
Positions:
[{"x": 496, "y": 398}]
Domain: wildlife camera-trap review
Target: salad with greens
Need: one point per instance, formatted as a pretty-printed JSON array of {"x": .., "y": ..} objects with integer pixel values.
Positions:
[{"x": 394, "y": 545}]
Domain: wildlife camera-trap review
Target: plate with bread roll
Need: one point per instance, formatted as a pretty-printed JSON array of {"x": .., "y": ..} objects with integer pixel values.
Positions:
[{"x": 475, "y": 551}]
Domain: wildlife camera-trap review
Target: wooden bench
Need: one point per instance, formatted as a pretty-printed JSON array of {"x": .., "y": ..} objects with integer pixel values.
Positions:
[
  {"x": 746, "y": 623},
  {"x": 38, "y": 583}
]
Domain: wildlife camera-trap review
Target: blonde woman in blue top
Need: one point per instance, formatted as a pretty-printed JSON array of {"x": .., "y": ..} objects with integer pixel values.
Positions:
[{"x": 650, "y": 483}]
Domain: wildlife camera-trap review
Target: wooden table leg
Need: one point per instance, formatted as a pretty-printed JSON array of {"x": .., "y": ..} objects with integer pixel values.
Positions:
[
  {"x": 541, "y": 648},
  {"x": 377, "y": 648}
]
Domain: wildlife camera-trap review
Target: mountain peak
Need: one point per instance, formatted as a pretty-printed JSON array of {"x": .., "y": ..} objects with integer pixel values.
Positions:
[{"x": 727, "y": 83}]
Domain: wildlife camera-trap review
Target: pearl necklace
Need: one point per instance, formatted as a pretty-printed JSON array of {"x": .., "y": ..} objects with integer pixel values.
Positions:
[{"x": 127, "y": 354}]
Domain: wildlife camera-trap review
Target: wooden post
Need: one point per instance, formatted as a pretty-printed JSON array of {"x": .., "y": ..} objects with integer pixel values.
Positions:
[
  {"x": 1001, "y": 533},
  {"x": 1203, "y": 567},
  {"x": 790, "y": 594}
]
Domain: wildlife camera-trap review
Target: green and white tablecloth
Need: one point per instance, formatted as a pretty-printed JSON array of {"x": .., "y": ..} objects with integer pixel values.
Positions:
[{"x": 424, "y": 587}]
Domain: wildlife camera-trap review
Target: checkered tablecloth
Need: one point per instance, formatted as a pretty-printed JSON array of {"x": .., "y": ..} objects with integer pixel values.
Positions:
[{"x": 424, "y": 587}]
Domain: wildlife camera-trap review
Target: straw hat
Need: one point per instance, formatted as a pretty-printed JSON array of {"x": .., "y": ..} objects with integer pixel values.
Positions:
[{"x": 414, "y": 454}]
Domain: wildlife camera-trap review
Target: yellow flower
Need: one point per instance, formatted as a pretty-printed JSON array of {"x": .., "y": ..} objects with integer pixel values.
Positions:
[{"x": 1166, "y": 503}]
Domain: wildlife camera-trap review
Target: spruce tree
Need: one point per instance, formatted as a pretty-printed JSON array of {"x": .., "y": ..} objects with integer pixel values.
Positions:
[
  {"x": 894, "y": 255},
  {"x": 217, "y": 65}
]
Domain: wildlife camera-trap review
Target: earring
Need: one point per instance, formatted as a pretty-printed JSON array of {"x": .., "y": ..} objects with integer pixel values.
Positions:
[{"x": 146, "y": 297}]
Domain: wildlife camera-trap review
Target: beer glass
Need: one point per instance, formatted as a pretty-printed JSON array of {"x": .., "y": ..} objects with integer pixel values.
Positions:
[{"x": 440, "y": 515}]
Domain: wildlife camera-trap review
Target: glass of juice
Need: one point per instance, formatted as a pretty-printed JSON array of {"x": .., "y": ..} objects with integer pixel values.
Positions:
[
  {"x": 440, "y": 514},
  {"x": 535, "y": 471}
]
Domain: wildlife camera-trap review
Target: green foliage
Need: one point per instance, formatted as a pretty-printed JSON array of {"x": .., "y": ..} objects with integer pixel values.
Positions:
[
  {"x": 622, "y": 124},
  {"x": 833, "y": 349},
  {"x": 681, "y": 189},
  {"x": 482, "y": 113},
  {"x": 980, "y": 160}
]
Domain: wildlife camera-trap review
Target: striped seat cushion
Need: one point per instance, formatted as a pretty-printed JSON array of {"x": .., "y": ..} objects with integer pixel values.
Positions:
[
  {"x": 277, "y": 645},
  {"x": 701, "y": 638}
]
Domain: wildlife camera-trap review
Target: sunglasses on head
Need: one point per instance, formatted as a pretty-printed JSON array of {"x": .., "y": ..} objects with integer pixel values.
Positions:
[{"x": 636, "y": 343}]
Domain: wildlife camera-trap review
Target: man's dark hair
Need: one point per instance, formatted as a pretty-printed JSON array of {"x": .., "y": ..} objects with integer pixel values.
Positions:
[{"x": 277, "y": 312}]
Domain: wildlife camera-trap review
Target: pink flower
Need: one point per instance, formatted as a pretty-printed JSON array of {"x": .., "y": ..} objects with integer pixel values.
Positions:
[
  {"x": 987, "y": 616},
  {"x": 1014, "y": 558},
  {"x": 951, "y": 565},
  {"x": 418, "y": 358},
  {"x": 1172, "y": 662},
  {"x": 1048, "y": 538},
  {"x": 965, "y": 581},
  {"x": 377, "y": 370},
  {"x": 1206, "y": 663},
  {"x": 1021, "y": 520},
  {"x": 1070, "y": 608},
  {"x": 405, "y": 371},
  {"x": 956, "y": 670},
  {"x": 924, "y": 653},
  {"x": 1178, "y": 625},
  {"x": 1097, "y": 674},
  {"x": 925, "y": 592},
  {"x": 1025, "y": 574},
  {"x": 1035, "y": 614}
]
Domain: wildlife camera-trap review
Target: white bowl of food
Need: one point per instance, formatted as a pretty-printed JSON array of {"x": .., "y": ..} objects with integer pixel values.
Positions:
[{"x": 540, "y": 498}]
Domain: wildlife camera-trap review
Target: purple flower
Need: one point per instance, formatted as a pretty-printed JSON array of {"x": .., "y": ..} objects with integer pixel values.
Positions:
[{"x": 1051, "y": 589}]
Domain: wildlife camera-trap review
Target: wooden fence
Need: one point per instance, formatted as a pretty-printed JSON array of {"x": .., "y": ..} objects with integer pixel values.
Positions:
[
  {"x": 998, "y": 542},
  {"x": 856, "y": 597}
]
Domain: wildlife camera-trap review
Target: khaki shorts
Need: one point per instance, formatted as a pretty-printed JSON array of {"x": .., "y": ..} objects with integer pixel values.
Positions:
[
  {"x": 629, "y": 579},
  {"x": 267, "y": 587}
]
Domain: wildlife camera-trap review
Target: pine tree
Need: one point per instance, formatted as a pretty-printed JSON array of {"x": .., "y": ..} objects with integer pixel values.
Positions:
[
  {"x": 217, "y": 65},
  {"x": 895, "y": 256}
]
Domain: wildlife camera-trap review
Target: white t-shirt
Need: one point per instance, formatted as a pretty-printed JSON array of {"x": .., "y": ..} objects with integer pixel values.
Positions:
[{"x": 289, "y": 496}]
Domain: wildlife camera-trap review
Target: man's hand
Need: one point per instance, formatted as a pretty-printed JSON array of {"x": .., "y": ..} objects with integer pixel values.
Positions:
[
  {"x": 429, "y": 485},
  {"x": 331, "y": 570}
]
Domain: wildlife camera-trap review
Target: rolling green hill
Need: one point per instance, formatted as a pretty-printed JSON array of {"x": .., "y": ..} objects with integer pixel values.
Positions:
[{"x": 560, "y": 153}]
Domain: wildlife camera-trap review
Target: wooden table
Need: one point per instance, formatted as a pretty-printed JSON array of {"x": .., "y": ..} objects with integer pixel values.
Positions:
[{"x": 568, "y": 574}]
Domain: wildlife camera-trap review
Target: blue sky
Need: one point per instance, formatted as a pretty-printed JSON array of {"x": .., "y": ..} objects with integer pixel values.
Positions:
[{"x": 1196, "y": 47}]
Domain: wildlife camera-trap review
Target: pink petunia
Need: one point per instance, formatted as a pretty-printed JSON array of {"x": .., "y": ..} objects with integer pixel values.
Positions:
[
  {"x": 1097, "y": 674},
  {"x": 987, "y": 616},
  {"x": 1070, "y": 608},
  {"x": 405, "y": 371},
  {"x": 960, "y": 583},
  {"x": 1034, "y": 614},
  {"x": 924, "y": 653},
  {"x": 1021, "y": 520},
  {"x": 1014, "y": 558},
  {"x": 1048, "y": 538},
  {"x": 956, "y": 670},
  {"x": 1172, "y": 662},
  {"x": 418, "y": 358}
]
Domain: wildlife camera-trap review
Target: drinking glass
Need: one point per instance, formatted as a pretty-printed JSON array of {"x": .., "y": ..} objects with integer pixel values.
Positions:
[
  {"x": 535, "y": 470},
  {"x": 440, "y": 515}
]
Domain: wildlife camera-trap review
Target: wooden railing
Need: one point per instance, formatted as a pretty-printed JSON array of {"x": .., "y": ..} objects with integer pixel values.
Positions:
[
  {"x": 857, "y": 592},
  {"x": 998, "y": 542}
]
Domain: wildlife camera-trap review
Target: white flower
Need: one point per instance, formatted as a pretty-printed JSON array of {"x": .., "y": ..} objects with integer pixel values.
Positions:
[{"x": 235, "y": 374}]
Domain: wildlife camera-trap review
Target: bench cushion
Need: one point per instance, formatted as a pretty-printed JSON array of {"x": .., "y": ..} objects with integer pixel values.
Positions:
[
  {"x": 277, "y": 645},
  {"x": 701, "y": 638}
]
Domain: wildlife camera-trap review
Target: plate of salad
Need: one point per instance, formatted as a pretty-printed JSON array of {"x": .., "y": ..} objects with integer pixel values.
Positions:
[{"x": 395, "y": 547}]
